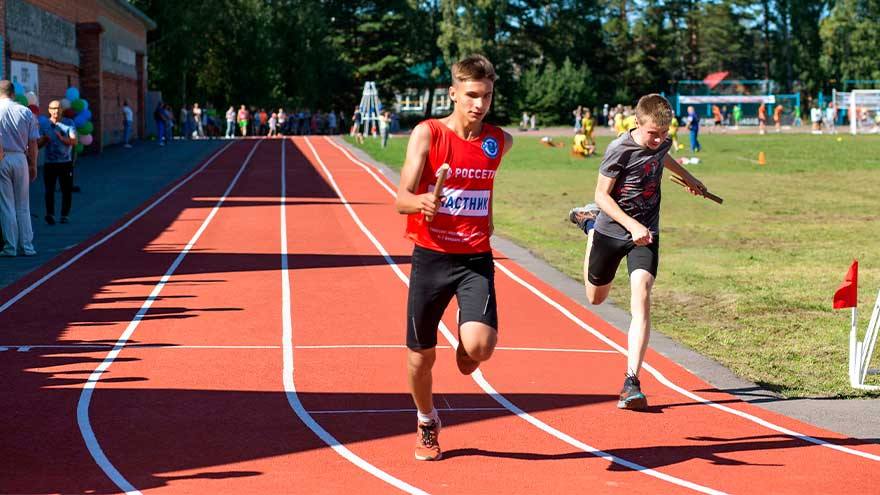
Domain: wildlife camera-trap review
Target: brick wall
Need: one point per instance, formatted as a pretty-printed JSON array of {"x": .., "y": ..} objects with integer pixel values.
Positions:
[
  {"x": 89, "y": 10},
  {"x": 117, "y": 89},
  {"x": 91, "y": 87}
]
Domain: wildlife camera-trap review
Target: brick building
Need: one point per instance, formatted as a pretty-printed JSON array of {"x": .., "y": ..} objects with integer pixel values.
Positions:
[{"x": 99, "y": 46}]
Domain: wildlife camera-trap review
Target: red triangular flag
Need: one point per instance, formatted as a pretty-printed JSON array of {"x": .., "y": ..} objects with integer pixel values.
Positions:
[
  {"x": 847, "y": 295},
  {"x": 714, "y": 79}
]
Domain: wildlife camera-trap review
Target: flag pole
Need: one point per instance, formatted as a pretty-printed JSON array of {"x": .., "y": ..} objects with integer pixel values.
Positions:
[{"x": 853, "y": 351}]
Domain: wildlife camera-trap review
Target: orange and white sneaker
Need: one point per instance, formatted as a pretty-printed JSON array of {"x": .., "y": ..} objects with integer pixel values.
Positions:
[{"x": 427, "y": 442}]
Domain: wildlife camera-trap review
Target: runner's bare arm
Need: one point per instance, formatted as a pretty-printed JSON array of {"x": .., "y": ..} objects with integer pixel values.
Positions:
[
  {"x": 508, "y": 142},
  {"x": 640, "y": 234},
  {"x": 694, "y": 185},
  {"x": 416, "y": 155}
]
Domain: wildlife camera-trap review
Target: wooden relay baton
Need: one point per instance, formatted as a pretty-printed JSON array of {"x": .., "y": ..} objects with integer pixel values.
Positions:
[
  {"x": 438, "y": 187},
  {"x": 706, "y": 194}
]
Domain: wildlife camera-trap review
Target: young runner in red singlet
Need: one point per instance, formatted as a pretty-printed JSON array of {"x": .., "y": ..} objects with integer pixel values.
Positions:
[{"x": 452, "y": 255}]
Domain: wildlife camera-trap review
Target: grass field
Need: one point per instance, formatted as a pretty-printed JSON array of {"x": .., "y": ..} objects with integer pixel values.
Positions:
[{"x": 748, "y": 283}]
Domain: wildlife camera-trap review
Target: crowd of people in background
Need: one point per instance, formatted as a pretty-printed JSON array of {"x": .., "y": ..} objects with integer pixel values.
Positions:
[{"x": 197, "y": 122}]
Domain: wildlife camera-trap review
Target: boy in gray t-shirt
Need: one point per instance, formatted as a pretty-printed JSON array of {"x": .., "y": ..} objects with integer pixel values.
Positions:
[{"x": 625, "y": 222}]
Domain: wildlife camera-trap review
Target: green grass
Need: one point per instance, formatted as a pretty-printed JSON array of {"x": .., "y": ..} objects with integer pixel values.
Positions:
[{"x": 748, "y": 283}]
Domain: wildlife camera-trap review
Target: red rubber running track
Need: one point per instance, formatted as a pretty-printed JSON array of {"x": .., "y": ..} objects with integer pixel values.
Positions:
[{"x": 243, "y": 334}]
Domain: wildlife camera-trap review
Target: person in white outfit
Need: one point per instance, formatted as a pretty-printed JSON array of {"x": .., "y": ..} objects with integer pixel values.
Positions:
[{"x": 19, "y": 133}]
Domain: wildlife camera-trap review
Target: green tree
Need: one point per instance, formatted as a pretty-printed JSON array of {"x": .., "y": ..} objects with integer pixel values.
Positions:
[
  {"x": 851, "y": 40},
  {"x": 553, "y": 92}
]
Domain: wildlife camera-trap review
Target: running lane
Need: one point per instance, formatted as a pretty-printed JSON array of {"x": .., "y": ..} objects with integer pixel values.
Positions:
[
  {"x": 678, "y": 435},
  {"x": 348, "y": 316},
  {"x": 212, "y": 406},
  {"x": 56, "y": 335}
]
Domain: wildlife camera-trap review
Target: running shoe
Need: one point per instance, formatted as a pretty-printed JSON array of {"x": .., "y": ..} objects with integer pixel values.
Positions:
[
  {"x": 584, "y": 216},
  {"x": 427, "y": 441},
  {"x": 631, "y": 397}
]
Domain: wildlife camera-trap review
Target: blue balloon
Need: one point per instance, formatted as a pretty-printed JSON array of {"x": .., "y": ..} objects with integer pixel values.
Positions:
[
  {"x": 86, "y": 113},
  {"x": 80, "y": 119},
  {"x": 71, "y": 93},
  {"x": 85, "y": 104},
  {"x": 19, "y": 89}
]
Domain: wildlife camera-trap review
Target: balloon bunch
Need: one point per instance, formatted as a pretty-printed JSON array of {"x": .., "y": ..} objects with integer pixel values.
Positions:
[{"x": 75, "y": 110}]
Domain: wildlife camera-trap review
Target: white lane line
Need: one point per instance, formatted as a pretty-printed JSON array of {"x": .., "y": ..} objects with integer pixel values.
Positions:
[
  {"x": 410, "y": 411},
  {"x": 14, "y": 299},
  {"x": 659, "y": 376},
  {"x": 85, "y": 398},
  {"x": 288, "y": 367},
  {"x": 400, "y": 346},
  {"x": 26, "y": 348},
  {"x": 478, "y": 375},
  {"x": 62, "y": 347},
  {"x": 668, "y": 383}
]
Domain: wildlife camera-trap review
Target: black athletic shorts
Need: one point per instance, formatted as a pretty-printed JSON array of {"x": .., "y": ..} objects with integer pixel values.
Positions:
[
  {"x": 607, "y": 252},
  {"x": 434, "y": 279}
]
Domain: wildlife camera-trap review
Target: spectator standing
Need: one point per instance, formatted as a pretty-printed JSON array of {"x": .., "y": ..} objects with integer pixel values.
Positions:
[
  {"x": 694, "y": 128},
  {"x": 273, "y": 125},
  {"x": 762, "y": 118},
  {"x": 168, "y": 114},
  {"x": 230, "y": 123},
  {"x": 197, "y": 120},
  {"x": 264, "y": 122},
  {"x": 185, "y": 123},
  {"x": 816, "y": 119},
  {"x": 59, "y": 138},
  {"x": 777, "y": 117},
  {"x": 332, "y": 126},
  {"x": 159, "y": 117},
  {"x": 127, "y": 121},
  {"x": 385, "y": 127},
  {"x": 830, "y": 118},
  {"x": 243, "y": 120},
  {"x": 282, "y": 121},
  {"x": 18, "y": 135}
]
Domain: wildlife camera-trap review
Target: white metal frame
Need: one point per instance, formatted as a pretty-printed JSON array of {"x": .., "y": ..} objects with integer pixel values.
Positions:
[
  {"x": 860, "y": 352},
  {"x": 873, "y": 101},
  {"x": 370, "y": 107}
]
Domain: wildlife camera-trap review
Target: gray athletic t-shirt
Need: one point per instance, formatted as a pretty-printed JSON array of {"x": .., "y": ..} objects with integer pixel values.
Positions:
[{"x": 636, "y": 190}]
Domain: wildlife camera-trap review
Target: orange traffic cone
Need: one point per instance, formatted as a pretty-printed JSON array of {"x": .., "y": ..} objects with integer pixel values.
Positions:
[{"x": 762, "y": 160}]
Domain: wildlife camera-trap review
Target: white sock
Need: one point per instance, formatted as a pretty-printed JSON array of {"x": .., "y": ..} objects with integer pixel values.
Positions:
[{"x": 428, "y": 418}]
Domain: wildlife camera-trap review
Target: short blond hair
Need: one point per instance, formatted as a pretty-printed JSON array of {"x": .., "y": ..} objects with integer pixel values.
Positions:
[
  {"x": 654, "y": 107},
  {"x": 473, "y": 68}
]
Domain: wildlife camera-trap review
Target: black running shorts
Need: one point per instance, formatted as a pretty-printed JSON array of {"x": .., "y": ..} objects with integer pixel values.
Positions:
[
  {"x": 607, "y": 252},
  {"x": 434, "y": 279}
]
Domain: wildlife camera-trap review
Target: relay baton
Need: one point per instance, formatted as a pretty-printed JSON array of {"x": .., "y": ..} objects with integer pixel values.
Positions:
[
  {"x": 438, "y": 187},
  {"x": 706, "y": 194}
]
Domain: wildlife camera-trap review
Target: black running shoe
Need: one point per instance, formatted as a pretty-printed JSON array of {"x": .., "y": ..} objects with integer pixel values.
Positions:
[
  {"x": 584, "y": 216},
  {"x": 631, "y": 397}
]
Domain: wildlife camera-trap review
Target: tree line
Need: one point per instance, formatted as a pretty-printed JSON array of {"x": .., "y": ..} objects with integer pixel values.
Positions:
[{"x": 551, "y": 56}]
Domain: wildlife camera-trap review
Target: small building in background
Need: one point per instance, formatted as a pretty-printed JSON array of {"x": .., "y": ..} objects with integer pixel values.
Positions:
[{"x": 98, "y": 46}]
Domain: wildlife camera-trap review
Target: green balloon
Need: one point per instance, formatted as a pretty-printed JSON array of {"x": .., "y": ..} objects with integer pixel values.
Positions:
[
  {"x": 79, "y": 148},
  {"x": 86, "y": 128},
  {"x": 78, "y": 105},
  {"x": 22, "y": 99}
]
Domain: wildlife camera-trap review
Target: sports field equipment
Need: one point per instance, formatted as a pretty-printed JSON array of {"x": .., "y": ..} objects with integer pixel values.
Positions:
[
  {"x": 706, "y": 194},
  {"x": 861, "y": 107}
]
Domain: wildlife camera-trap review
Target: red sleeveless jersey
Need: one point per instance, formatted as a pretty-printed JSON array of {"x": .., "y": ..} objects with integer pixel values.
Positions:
[{"x": 461, "y": 224}]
